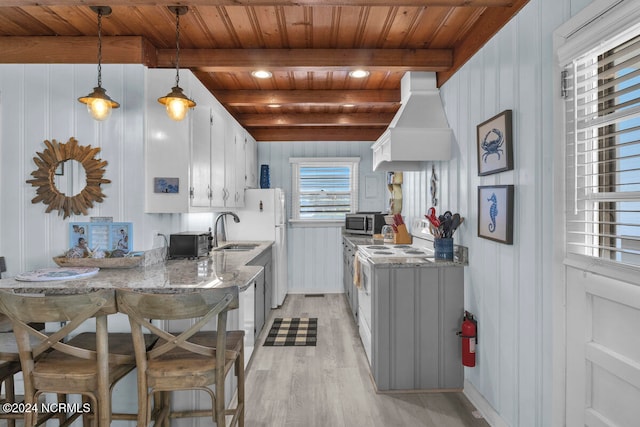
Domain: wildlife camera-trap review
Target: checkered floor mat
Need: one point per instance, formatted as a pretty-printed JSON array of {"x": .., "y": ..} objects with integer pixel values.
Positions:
[{"x": 293, "y": 331}]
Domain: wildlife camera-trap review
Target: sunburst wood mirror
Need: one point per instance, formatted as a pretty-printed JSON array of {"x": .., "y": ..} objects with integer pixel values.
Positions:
[{"x": 43, "y": 177}]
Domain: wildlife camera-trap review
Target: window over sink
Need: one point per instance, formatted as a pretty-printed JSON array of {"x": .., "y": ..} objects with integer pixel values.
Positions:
[{"x": 324, "y": 189}]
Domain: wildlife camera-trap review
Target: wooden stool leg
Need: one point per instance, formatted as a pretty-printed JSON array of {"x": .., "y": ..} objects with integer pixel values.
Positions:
[
  {"x": 104, "y": 394},
  {"x": 240, "y": 374},
  {"x": 10, "y": 394},
  {"x": 220, "y": 403},
  {"x": 166, "y": 403},
  {"x": 62, "y": 417},
  {"x": 88, "y": 417}
]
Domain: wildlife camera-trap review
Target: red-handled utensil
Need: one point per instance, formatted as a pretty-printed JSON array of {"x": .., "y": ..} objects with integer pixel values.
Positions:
[{"x": 431, "y": 216}]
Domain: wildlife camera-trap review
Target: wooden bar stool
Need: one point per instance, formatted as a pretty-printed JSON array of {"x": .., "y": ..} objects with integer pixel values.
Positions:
[
  {"x": 9, "y": 367},
  {"x": 191, "y": 360},
  {"x": 88, "y": 364}
]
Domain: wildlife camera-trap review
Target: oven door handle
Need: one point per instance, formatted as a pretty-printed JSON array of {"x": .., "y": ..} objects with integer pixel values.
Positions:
[{"x": 365, "y": 264}]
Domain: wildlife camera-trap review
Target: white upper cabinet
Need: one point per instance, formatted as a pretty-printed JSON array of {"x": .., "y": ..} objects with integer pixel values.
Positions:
[
  {"x": 218, "y": 149},
  {"x": 198, "y": 164},
  {"x": 251, "y": 162},
  {"x": 167, "y": 157}
]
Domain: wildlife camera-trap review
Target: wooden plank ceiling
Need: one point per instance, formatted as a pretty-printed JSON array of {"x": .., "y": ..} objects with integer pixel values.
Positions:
[{"x": 309, "y": 46}]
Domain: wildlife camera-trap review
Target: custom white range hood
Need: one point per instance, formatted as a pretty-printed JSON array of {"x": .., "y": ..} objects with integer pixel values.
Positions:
[{"x": 419, "y": 132}]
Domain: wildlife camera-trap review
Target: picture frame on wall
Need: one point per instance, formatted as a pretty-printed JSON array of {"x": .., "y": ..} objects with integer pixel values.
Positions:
[
  {"x": 166, "y": 185},
  {"x": 495, "y": 213},
  {"x": 495, "y": 144}
]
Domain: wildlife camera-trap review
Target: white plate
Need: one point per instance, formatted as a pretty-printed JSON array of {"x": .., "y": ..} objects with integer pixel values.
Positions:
[{"x": 59, "y": 273}]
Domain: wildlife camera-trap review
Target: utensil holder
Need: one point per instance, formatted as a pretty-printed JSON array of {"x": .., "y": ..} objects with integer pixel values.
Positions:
[
  {"x": 443, "y": 248},
  {"x": 402, "y": 237}
]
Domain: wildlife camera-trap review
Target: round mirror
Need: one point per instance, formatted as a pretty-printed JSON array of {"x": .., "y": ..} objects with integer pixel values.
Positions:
[{"x": 44, "y": 177}]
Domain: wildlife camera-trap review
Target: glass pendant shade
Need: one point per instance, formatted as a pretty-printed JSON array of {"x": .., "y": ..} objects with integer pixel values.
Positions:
[
  {"x": 99, "y": 104},
  {"x": 176, "y": 103}
]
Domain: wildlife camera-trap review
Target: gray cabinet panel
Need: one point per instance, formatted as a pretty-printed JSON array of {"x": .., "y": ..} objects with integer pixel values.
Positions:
[
  {"x": 264, "y": 288},
  {"x": 259, "y": 304},
  {"x": 415, "y": 315}
]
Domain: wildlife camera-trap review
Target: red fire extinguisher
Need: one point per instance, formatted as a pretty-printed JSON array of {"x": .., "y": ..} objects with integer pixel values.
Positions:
[{"x": 469, "y": 335}]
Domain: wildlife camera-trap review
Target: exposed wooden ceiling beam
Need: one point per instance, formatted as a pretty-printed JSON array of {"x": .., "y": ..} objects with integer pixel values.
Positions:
[
  {"x": 489, "y": 23},
  {"x": 76, "y": 50},
  {"x": 240, "y": 98},
  {"x": 317, "y": 134},
  {"x": 229, "y": 60},
  {"x": 450, "y": 3},
  {"x": 315, "y": 119}
]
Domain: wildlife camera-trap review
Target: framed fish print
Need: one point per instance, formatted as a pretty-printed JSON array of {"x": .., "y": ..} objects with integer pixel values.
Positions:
[
  {"x": 495, "y": 213},
  {"x": 495, "y": 145}
]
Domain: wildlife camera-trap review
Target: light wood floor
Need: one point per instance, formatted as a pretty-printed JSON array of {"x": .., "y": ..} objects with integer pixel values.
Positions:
[{"x": 329, "y": 385}]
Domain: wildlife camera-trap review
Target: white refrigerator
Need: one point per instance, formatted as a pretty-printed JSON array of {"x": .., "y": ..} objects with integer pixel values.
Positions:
[{"x": 264, "y": 218}]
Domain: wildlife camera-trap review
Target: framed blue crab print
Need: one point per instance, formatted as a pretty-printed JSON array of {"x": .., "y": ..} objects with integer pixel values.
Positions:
[
  {"x": 495, "y": 213},
  {"x": 495, "y": 145}
]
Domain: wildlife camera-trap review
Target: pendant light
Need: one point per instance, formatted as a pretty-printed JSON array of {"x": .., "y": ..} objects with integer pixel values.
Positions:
[
  {"x": 98, "y": 102},
  {"x": 175, "y": 101}
]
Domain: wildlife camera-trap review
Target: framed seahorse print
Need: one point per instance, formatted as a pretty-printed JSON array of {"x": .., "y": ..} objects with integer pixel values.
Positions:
[
  {"x": 495, "y": 145},
  {"x": 495, "y": 213}
]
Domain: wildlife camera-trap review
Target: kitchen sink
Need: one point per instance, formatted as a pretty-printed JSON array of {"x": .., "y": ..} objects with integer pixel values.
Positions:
[{"x": 237, "y": 247}]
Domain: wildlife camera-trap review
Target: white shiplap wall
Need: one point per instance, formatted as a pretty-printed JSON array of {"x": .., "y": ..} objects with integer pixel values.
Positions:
[
  {"x": 315, "y": 253},
  {"x": 39, "y": 102},
  {"x": 509, "y": 288}
]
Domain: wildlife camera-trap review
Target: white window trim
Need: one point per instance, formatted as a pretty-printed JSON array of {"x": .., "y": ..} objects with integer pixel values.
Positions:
[
  {"x": 603, "y": 22},
  {"x": 296, "y": 162}
]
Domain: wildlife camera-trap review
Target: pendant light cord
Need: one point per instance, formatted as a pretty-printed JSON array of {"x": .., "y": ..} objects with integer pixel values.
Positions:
[
  {"x": 177, "y": 47},
  {"x": 100, "y": 47}
]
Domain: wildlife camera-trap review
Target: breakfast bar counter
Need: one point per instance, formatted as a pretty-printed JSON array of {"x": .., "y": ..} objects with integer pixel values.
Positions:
[{"x": 219, "y": 269}]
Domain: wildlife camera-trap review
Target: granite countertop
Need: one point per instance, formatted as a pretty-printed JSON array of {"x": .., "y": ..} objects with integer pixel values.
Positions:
[{"x": 219, "y": 269}]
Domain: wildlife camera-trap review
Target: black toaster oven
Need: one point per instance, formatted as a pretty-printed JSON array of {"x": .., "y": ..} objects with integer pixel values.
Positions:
[{"x": 189, "y": 244}]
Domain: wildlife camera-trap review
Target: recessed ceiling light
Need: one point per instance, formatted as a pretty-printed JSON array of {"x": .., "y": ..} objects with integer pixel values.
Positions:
[
  {"x": 261, "y": 74},
  {"x": 358, "y": 74},
  {"x": 274, "y": 105}
]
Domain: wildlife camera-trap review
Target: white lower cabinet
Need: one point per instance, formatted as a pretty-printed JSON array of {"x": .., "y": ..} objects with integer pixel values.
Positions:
[{"x": 409, "y": 334}]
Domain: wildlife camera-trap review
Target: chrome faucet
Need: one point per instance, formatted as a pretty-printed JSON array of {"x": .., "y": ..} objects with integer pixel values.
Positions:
[{"x": 215, "y": 227}]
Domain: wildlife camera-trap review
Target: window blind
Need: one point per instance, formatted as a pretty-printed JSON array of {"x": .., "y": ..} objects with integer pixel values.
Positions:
[
  {"x": 325, "y": 191},
  {"x": 324, "y": 188},
  {"x": 603, "y": 153}
]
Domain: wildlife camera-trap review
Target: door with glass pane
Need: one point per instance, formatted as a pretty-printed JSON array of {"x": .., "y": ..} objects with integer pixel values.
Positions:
[{"x": 602, "y": 231}]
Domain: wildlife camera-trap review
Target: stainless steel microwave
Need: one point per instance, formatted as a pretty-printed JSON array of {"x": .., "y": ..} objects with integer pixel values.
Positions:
[{"x": 368, "y": 223}]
